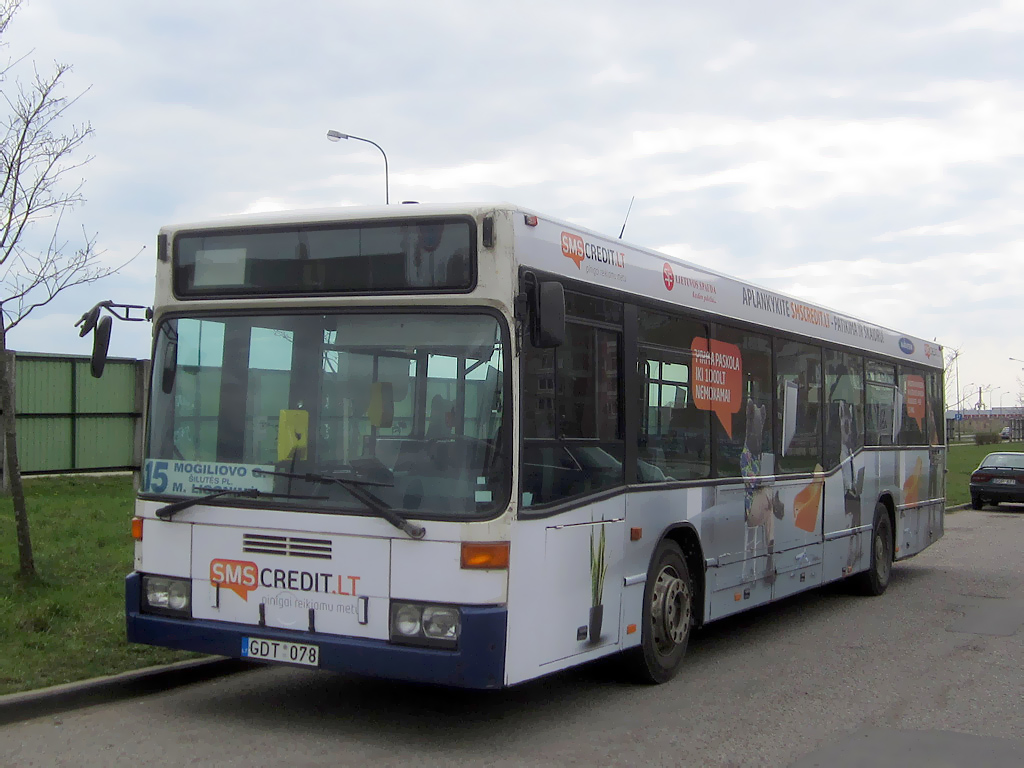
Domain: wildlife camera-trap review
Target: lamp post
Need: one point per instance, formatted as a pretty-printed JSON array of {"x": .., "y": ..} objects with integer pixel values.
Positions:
[
  {"x": 964, "y": 393},
  {"x": 960, "y": 407},
  {"x": 992, "y": 396},
  {"x": 338, "y": 136}
]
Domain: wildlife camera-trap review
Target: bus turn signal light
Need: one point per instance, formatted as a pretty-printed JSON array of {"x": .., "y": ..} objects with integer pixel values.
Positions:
[
  {"x": 491, "y": 555},
  {"x": 137, "y": 528}
]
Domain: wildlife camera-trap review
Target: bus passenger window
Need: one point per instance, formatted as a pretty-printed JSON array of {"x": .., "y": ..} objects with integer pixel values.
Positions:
[
  {"x": 881, "y": 403},
  {"x": 911, "y": 401},
  {"x": 936, "y": 409},
  {"x": 798, "y": 406},
  {"x": 674, "y": 442},
  {"x": 752, "y": 435},
  {"x": 844, "y": 410}
]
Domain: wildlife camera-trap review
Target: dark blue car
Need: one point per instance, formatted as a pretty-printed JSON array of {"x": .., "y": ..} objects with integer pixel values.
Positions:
[{"x": 999, "y": 477}]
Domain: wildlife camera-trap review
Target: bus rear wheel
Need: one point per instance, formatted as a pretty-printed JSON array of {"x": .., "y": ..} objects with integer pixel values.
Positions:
[
  {"x": 876, "y": 578},
  {"x": 667, "y": 616}
]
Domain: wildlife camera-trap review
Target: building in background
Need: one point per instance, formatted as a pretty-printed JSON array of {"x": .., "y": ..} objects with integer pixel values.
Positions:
[{"x": 970, "y": 421}]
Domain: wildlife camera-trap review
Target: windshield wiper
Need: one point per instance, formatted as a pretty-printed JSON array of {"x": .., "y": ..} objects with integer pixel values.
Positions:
[
  {"x": 168, "y": 511},
  {"x": 353, "y": 484}
]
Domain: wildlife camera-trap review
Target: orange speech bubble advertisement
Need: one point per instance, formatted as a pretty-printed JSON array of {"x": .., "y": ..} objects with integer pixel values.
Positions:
[
  {"x": 915, "y": 399},
  {"x": 240, "y": 576},
  {"x": 717, "y": 379},
  {"x": 573, "y": 247}
]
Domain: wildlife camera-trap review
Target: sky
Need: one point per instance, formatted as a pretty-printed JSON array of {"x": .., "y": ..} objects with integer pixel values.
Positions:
[{"x": 864, "y": 155}]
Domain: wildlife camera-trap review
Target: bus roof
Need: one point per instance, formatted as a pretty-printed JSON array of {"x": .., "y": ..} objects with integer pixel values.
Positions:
[{"x": 314, "y": 216}]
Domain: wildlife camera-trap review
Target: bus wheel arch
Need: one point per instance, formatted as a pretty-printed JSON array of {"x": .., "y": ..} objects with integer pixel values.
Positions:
[
  {"x": 689, "y": 542},
  {"x": 875, "y": 579},
  {"x": 672, "y": 603},
  {"x": 887, "y": 501}
]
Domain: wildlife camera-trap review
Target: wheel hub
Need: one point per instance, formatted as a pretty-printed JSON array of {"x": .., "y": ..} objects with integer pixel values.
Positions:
[
  {"x": 670, "y": 610},
  {"x": 883, "y": 562}
]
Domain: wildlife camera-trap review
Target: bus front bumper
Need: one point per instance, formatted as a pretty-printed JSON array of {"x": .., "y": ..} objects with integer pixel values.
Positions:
[{"x": 479, "y": 661}]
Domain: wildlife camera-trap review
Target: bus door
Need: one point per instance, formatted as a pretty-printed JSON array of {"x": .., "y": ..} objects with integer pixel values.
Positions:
[
  {"x": 565, "y": 577},
  {"x": 798, "y": 500}
]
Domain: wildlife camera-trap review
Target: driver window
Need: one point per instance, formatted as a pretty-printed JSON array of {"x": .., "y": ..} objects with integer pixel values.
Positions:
[{"x": 572, "y": 416}]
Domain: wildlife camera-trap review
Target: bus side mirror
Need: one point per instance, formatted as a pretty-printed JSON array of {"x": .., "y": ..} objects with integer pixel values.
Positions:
[
  {"x": 548, "y": 328},
  {"x": 100, "y": 346}
]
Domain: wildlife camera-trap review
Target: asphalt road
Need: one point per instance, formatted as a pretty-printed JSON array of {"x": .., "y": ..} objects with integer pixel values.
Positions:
[{"x": 930, "y": 674}]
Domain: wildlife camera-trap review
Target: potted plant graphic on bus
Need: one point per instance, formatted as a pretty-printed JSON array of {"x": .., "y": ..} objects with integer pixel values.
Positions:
[{"x": 598, "y": 569}]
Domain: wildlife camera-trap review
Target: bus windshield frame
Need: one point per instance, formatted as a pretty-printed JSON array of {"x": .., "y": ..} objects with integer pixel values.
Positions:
[{"x": 411, "y": 405}]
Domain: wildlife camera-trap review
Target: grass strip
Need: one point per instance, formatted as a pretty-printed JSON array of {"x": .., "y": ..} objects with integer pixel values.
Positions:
[{"x": 68, "y": 624}]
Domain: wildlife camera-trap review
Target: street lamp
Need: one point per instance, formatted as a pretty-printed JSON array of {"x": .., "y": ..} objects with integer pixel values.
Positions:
[
  {"x": 338, "y": 136},
  {"x": 964, "y": 393},
  {"x": 992, "y": 396},
  {"x": 961, "y": 396}
]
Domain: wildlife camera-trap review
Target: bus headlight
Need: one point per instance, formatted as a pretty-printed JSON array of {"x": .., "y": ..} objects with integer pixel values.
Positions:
[
  {"x": 172, "y": 597},
  {"x": 434, "y": 626},
  {"x": 407, "y": 620},
  {"x": 441, "y": 622}
]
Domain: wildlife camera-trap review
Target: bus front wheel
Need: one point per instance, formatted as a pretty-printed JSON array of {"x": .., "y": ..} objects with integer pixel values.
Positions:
[
  {"x": 667, "y": 616},
  {"x": 876, "y": 578}
]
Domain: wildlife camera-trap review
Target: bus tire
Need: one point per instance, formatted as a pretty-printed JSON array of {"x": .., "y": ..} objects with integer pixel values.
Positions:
[
  {"x": 667, "y": 616},
  {"x": 876, "y": 578}
]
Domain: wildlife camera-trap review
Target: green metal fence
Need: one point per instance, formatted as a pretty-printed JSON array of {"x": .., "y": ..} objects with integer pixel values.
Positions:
[{"x": 70, "y": 422}]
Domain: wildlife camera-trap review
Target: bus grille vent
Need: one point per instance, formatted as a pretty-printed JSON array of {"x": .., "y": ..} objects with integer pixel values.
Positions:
[{"x": 289, "y": 546}]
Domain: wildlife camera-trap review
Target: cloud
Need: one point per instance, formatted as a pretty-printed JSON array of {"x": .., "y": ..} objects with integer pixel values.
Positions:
[
  {"x": 862, "y": 154},
  {"x": 738, "y": 52}
]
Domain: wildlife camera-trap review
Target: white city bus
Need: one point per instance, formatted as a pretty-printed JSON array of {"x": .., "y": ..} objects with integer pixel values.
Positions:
[{"x": 471, "y": 445}]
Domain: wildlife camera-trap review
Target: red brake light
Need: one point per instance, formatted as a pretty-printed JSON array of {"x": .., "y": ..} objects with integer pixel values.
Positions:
[{"x": 980, "y": 477}]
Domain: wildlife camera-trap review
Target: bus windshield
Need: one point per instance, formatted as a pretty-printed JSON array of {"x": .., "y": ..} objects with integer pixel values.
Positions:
[{"x": 408, "y": 406}]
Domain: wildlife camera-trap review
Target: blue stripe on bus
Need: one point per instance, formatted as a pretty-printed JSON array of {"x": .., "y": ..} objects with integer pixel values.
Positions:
[{"x": 479, "y": 661}]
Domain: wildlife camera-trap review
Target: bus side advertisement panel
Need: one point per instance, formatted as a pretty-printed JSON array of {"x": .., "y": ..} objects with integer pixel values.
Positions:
[{"x": 579, "y": 255}]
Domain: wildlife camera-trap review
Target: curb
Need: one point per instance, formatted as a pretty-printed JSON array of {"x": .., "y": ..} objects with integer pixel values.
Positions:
[{"x": 27, "y": 705}]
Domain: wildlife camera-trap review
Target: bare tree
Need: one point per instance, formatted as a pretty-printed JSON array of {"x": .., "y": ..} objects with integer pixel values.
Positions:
[
  {"x": 950, "y": 374},
  {"x": 38, "y": 152}
]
